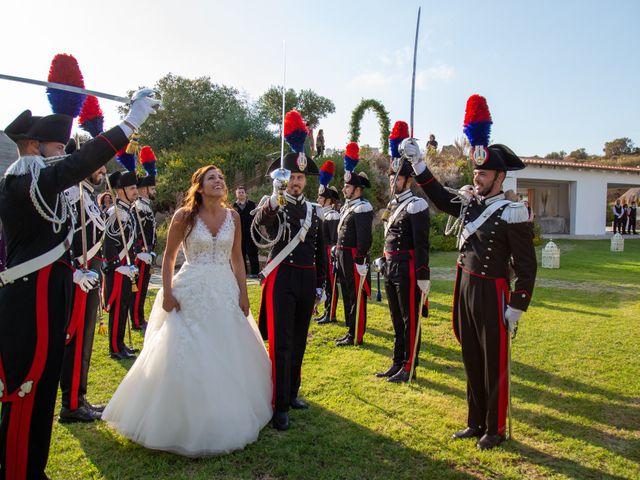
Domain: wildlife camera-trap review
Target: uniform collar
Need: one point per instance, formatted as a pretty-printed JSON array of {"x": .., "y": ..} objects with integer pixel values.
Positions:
[
  {"x": 145, "y": 201},
  {"x": 495, "y": 198},
  {"x": 403, "y": 196},
  {"x": 123, "y": 204},
  {"x": 299, "y": 200}
]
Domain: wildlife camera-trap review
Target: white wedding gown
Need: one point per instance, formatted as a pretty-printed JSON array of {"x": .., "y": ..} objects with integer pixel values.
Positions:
[{"x": 202, "y": 383}]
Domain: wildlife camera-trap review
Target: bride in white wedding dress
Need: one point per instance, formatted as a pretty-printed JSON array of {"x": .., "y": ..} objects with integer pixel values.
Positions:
[{"x": 202, "y": 383}]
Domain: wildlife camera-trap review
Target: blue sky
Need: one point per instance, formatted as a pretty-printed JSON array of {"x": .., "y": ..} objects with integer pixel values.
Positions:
[{"x": 558, "y": 75}]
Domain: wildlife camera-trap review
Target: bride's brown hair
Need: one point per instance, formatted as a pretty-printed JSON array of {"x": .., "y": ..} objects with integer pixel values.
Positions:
[{"x": 193, "y": 199}]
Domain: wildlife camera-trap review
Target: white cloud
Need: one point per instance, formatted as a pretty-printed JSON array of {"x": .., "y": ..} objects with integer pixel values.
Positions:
[{"x": 441, "y": 72}]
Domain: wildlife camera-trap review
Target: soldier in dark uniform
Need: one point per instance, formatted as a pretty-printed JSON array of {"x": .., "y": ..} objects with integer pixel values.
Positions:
[
  {"x": 406, "y": 269},
  {"x": 244, "y": 207},
  {"x": 496, "y": 236},
  {"x": 80, "y": 333},
  {"x": 293, "y": 286},
  {"x": 119, "y": 250},
  {"x": 36, "y": 287},
  {"x": 328, "y": 197},
  {"x": 145, "y": 221},
  {"x": 352, "y": 252}
]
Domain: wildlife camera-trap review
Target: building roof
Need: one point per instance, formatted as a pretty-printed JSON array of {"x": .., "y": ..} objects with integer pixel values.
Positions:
[{"x": 545, "y": 162}]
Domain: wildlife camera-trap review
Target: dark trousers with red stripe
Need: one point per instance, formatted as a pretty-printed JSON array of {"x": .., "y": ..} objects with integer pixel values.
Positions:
[
  {"x": 288, "y": 296},
  {"x": 77, "y": 354},
  {"x": 331, "y": 303},
  {"x": 479, "y": 304},
  {"x": 349, "y": 280},
  {"x": 118, "y": 296},
  {"x": 403, "y": 296},
  {"x": 136, "y": 310},
  {"x": 26, "y": 422}
]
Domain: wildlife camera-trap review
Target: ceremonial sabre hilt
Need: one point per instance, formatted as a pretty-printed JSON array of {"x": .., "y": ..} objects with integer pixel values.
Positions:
[{"x": 282, "y": 175}]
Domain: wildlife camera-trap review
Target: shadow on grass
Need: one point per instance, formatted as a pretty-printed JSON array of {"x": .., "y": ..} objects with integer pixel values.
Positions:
[
  {"x": 319, "y": 444},
  {"x": 558, "y": 308}
]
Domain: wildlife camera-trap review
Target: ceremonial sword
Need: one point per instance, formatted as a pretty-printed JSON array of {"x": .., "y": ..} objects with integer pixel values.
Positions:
[
  {"x": 67, "y": 88},
  {"x": 282, "y": 173}
]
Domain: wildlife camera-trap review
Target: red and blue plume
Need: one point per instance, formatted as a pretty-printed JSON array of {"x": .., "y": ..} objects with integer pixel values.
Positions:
[
  {"x": 327, "y": 170},
  {"x": 398, "y": 134},
  {"x": 127, "y": 160},
  {"x": 295, "y": 131},
  {"x": 64, "y": 69},
  {"x": 477, "y": 121},
  {"x": 351, "y": 156},
  {"x": 91, "y": 118},
  {"x": 148, "y": 161}
]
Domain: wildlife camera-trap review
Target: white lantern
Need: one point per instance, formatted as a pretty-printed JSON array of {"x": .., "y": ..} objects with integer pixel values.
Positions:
[
  {"x": 550, "y": 255},
  {"x": 617, "y": 243}
]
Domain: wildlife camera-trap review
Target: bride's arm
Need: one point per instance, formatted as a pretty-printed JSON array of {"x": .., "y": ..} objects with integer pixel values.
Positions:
[
  {"x": 237, "y": 263},
  {"x": 174, "y": 238}
]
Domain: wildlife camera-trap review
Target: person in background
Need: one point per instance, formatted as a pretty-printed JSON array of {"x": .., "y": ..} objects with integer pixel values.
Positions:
[
  {"x": 632, "y": 218},
  {"x": 320, "y": 143},
  {"x": 105, "y": 201},
  {"x": 432, "y": 144},
  {"x": 618, "y": 213},
  {"x": 244, "y": 207}
]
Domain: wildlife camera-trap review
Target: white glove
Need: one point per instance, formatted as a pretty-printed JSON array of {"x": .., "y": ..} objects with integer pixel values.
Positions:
[
  {"x": 145, "y": 257},
  {"x": 410, "y": 149},
  {"x": 321, "y": 295},
  {"x": 279, "y": 186},
  {"x": 142, "y": 105},
  {"x": 512, "y": 316},
  {"x": 425, "y": 286},
  {"x": 86, "y": 279},
  {"x": 467, "y": 192},
  {"x": 129, "y": 270},
  {"x": 362, "y": 269}
]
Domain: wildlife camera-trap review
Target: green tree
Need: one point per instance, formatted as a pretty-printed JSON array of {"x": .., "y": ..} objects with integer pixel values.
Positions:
[
  {"x": 619, "y": 146},
  {"x": 196, "y": 107},
  {"x": 556, "y": 155},
  {"x": 312, "y": 107},
  {"x": 579, "y": 154}
]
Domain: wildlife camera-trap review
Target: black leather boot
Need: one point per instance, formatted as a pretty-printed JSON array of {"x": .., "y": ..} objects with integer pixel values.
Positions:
[
  {"x": 469, "y": 432},
  {"x": 298, "y": 403},
  {"x": 389, "y": 373},
  {"x": 488, "y": 442},
  {"x": 81, "y": 414},
  {"x": 280, "y": 421},
  {"x": 345, "y": 342},
  {"x": 401, "y": 377}
]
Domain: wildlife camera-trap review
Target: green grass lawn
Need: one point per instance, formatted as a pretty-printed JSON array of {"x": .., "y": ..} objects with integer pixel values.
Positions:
[{"x": 576, "y": 396}]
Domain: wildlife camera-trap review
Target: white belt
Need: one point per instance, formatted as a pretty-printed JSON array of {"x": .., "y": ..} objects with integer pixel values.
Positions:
[
  {"x": 93, "y": 251},
  {"x": 302, "y": 233},
  {"x": 25, "y": 268}
]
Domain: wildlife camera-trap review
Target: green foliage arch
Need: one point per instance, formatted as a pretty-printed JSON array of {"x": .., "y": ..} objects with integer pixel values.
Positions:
[{"x": 383, "y": 121}]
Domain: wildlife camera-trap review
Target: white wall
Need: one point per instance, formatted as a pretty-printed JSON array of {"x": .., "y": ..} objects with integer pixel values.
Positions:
[{"x": 587, "y": 195}]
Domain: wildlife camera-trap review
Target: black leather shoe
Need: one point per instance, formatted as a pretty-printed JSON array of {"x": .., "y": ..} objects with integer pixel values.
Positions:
[
  {"x": 345, "y": 342},
  {"x": 343, "y": 337},
  {"x": 81, "y": 414},
  {"x": 95, "y": 408},
  {"x": 280, "y": 421},
  {"x": 389, "y": 373},
  {"x": 298, "y": 404},
  {"x": 488, "y": 442},
  {"x": 469, "y": 432},
  {"x": 131, "y": 351},
  {"x": 118, "y": 355},
  {"x": 401, "y": 376},
  {"x": 326, "y": 319}
]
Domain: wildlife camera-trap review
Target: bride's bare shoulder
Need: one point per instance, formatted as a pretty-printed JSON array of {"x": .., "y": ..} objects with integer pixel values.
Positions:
[{"x": 180, "y": 216}]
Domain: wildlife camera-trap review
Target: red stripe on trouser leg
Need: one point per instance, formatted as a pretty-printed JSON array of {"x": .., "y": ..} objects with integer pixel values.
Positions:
[
  {"x": 412, "y": 312},
  {"x": 77, "y": 355},
  {"x": 503, "y": 382},
  {"x": 77, "y": 314},
  {"x": 268, "y": 286},
  {"x": 116, "y": 298},
  {"x": 454, "y": 306},
  {"x": 17, "y": 453},
  {"x": 136, "y": 314}
]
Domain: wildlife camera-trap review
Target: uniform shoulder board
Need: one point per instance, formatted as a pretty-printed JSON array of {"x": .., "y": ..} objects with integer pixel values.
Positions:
[
  {"x": 332, "y": 215},
  {"x": 73, "y": 194},
  {"x": 317, "y": 208},
  {"x": 363, "y": 207},
  {"x": 418, "y": 205},
  {"x": 515, "y": 212}
]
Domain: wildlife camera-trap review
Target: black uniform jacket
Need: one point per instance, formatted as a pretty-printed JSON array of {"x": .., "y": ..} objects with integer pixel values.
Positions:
[
  {"x": 505, "y": 240},
  {"x": 408, "y": 233},
  {"x": 354, "y": 229},
  {"x": 309, "y": 253},
  {"x": 148, "y": 227},
  {"x": 113, "y": 239},
  {"x": 330, "y": 221},
  {"x": 27, "y": 233},
  {"x": 94, "y": 226}
]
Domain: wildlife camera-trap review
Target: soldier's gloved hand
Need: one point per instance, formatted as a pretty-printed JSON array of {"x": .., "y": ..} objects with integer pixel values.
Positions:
[
  {"x": 321, "y": 295},
  {"x": 424, "y": 286},
  {"x": 142, "y": 105},
  {"x": 467, "y": 192},
  {"x": 279, "y": 186},
  {"x": 362, "y": 269},
  {"x": 512, "y": 317},
  {"x": 145, "y": 257},
  {"x": 130, "y": 271},
  {"x": 411, "y": 150},
  {"x": 85, "y": 279}
]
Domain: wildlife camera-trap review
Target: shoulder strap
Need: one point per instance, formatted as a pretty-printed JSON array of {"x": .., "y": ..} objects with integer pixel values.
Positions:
[
  {"x": 472, "y": 227},
  {"x": 397, "y": 212}
]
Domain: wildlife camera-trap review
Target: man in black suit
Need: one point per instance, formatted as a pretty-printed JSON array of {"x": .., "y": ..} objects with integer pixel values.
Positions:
[{"x": 244, "y": 207}]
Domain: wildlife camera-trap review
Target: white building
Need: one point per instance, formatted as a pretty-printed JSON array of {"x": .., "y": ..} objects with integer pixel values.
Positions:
[{"x": 570, "y": 198}]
